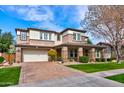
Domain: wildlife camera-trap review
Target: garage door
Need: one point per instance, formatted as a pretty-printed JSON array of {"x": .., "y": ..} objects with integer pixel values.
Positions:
[{"x": 35, "y": 55}]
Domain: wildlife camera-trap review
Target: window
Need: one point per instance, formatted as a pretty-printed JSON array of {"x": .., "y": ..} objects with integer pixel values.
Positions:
[
  {"x": 58, "y": 37},
  {"x": 72, "y": 53},
  {"x": 45, "y": 36},
  {"x": 76, "y": 36},
  {"x": 41, "y": 35},
  {"x": 23, "y": 36},
  {"x": 49, "y": 36},
  {"x": 97, "y": 54}
]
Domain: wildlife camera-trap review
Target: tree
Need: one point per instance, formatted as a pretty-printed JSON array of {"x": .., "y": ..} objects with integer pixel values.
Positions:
[
  {"x": 89, "y": 41},
  {"x": 6, "y": 39},
  {"x": 107, "y": 23},
  {"x": 53, "y": 54}
]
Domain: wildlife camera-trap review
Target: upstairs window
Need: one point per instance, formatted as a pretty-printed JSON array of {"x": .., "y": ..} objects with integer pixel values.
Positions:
[
  {"x": 76, "y": 36},
  {"x": 49, "y": 36},
  {"x": 23, "y": 36},
  {"x": 58, "y": 37},
  {"x": 45, "y": 36},
  {"x": 41, "y": 35}
]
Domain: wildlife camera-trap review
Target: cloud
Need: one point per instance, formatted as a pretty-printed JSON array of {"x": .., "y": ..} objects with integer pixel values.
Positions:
[
  {"x": 49, "y": 26},
  {"x": 2, "y": 10},
  {"x": 51, "y": 17},
  {"x": 32, "y": 13}
]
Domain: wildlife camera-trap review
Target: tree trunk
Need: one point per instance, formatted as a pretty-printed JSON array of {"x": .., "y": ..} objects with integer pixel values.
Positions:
[{"x": 118, "y": 55}]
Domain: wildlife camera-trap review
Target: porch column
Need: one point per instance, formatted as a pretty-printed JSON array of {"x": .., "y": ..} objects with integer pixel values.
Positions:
[
  {"x": 18, "y": 54},
  {"x": 92, "y": 55},
  {"x": 80, "y": 52},
  {"x": 64, "y": 53}
]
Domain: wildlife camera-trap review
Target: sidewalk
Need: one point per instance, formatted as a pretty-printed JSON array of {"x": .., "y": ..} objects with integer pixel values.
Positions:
[{"x": 108, "y": 73}]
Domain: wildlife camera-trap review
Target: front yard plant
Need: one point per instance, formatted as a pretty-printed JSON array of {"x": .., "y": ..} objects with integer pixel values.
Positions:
[
  {"x": 9, "y": 76},
  {"x": 89, "y": 68},
  {"x": 1, "y": 60},
  {"x": 84, "y": 59},
  {"x": 52, "y": 54}
]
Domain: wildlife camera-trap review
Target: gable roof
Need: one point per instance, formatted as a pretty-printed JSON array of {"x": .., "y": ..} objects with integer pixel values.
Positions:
[
  {"x": 104, "y": 43},
  {"x": 82, "y": 31}
]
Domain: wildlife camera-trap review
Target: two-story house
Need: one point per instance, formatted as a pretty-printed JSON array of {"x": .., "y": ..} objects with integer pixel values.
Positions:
[{"x": 32, "y": 45}]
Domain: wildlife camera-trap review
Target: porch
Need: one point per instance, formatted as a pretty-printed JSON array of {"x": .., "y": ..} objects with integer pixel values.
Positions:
[{"x": 73, "y": 52}]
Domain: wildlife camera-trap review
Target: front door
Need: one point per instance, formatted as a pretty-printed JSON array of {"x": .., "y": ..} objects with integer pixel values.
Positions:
[{"x": 72, "y": 53}]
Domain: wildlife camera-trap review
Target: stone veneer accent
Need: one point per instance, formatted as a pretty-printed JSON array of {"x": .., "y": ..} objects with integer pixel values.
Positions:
[
  {"x": 18, "y": 54},
  {"x": 80, "y": 52},
  {"x": 64, "y": 53},
  {"x": 92, "y": 55}
]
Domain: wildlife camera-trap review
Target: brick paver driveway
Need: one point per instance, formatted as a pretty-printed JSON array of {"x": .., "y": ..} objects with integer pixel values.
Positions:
[
  {"x": 54, "y": 75},
  {"x": 39, "y": 71}
]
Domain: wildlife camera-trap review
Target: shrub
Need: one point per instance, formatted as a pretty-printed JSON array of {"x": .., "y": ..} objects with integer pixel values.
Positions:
[
  {"x": 53, "y": 54},
  {"x": 84, "y": 59},
  {"x": 1, "y": 59},
  {"x": 98, "y": 60}
]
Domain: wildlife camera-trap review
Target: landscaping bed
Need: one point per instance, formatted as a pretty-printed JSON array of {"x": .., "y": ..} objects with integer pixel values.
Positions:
[
  {"x": 9, "y": 76},
  {"x": 119, "y": 78},
  {"x": 89, "y": 68}
]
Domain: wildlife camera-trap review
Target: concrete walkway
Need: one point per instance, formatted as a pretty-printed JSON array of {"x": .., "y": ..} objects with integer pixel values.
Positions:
[{"x": 108, "y": 73}]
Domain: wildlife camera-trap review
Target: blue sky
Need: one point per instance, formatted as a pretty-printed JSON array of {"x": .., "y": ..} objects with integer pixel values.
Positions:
[{"x": 51, "y": 17}]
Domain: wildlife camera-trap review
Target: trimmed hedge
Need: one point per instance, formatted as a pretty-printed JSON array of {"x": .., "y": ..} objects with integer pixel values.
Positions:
[
  {"x": 84, "y": 59},
  {"x": 1, "y": 59}
]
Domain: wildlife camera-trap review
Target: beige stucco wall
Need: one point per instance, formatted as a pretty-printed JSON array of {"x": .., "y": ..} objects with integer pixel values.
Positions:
[
  {"x": 34, "y": 34},
  {"x": 41, "y": 42}
]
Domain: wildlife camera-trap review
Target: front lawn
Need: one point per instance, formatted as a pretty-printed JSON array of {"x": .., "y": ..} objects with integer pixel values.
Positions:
[
  {"x": 89, "y": 68},
  {"x": 9, "y": 76},
  {"x": 119, "y": 78}
]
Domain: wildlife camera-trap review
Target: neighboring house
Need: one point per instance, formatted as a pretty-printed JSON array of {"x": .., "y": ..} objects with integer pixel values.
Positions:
[
  {"x": 33, "y": 44},
  {"x": 108, "y": 51}
]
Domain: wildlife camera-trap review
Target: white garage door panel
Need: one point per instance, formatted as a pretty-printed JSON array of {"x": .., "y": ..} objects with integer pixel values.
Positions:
[{"x": 35, "y": 55}]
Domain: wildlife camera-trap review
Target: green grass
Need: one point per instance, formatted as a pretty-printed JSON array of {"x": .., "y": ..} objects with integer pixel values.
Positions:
[
  {"x": 119, "y": 78},
  {"x": 89, "y": 68},
  {"x": 9, "y": 76}
]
